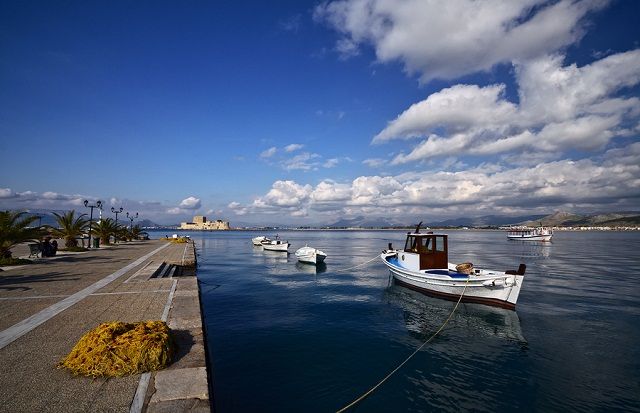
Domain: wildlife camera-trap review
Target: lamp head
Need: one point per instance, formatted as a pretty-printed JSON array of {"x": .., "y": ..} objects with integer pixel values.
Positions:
[
  {"x": 99, "y": 204},
  {"x": 86, "y": 202}
]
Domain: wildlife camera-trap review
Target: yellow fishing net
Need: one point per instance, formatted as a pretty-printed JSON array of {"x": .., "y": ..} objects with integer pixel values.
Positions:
[{"x": 117, "y": 349}]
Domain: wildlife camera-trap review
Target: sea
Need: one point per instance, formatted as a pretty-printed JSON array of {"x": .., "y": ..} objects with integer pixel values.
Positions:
[{"x": 289, "y": 337}]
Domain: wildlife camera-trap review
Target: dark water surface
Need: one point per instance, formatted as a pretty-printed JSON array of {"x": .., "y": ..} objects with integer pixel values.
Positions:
[{"x": 283, "y": 337}]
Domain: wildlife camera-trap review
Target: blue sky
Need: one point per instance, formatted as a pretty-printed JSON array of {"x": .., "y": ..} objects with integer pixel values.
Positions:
[{"x": 309, "y": 112}]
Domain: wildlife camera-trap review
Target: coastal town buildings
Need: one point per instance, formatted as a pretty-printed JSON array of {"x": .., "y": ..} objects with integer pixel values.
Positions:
[{"x": 201, "y": 223}]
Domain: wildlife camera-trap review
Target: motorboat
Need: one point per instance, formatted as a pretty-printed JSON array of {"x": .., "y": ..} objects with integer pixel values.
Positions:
[
  {"x": 530, "y": 234},
  {"x": 275, "y": 244},
  {"x": 423, "y": 265},
  {"x": 310, "y": 255},
  {"x": 257, "y": 241}
]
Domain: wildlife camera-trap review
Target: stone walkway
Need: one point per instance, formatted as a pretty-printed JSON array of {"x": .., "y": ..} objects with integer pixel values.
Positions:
[{"x": 46, "y": 307}]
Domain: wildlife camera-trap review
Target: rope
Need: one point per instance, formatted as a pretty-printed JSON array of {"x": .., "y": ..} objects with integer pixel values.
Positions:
[
  {"x": 359, "y": 265},
  {"x": 359, "y": 399}
]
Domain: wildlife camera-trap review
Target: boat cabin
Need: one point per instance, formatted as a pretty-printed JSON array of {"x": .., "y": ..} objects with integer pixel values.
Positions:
[{"x": 431, "y": 250}]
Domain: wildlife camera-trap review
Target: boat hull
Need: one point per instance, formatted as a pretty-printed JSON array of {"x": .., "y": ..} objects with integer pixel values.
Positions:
[
  {"x": 282, "y": 247},
  {"x": 530, "y": 238},
  {"x": 489, "y": 287},
  {"x": 310, "y": 256}
]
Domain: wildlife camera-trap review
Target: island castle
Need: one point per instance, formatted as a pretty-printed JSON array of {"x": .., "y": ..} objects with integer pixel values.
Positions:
[{"x": 200, "y": 223}]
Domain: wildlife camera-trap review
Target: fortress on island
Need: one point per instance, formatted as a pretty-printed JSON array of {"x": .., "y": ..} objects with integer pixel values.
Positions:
[{"x": 200, "y": 223}]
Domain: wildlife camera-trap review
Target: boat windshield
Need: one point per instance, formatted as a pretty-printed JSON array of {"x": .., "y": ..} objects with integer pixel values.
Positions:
[{"x": 425, "y": 244}]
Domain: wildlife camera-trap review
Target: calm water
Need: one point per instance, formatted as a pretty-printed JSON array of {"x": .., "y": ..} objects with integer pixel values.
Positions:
[{"x": 283, "y": 337}]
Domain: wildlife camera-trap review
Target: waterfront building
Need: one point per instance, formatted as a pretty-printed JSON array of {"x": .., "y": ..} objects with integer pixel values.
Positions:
[{"x": 201, "y": 223}]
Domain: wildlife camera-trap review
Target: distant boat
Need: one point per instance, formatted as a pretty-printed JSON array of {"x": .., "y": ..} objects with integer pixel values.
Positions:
[
  {"x": 423, "y": 265},
  {"x": 531, "y": 234},
  {"x": 275, "y": 244},
  {"x": 310, "y": 255},
  {"x": 258, "y": 240}
]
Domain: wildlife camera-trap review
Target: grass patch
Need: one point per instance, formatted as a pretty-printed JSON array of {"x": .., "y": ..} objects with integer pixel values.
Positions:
[{"x": 117, "y": 349}]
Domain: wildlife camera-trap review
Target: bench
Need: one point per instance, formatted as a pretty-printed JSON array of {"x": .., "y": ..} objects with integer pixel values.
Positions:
[{"x": 34, "y": 250}]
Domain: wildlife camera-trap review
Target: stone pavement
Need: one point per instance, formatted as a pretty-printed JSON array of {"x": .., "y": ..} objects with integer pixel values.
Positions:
[{"x": 46, "y": 307}]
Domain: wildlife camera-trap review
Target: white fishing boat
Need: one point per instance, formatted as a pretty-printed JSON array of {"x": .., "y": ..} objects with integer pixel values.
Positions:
[
  {"x": 530, "y": 234},
  {"x": 423, "y": 265},
  {"x": 275, "y": 244},
  {"x": 258, "y": 240},
  {"x": 310, "y": 255}
]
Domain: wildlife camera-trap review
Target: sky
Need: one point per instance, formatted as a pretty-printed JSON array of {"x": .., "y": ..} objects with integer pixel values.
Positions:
[{"x": 306, "y": 112}]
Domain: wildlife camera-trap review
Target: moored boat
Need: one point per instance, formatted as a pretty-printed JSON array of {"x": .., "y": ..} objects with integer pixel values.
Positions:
[
  {"x": 275, "y": 244},
  {"x": 423, "y": 265},
  {"x": 530, "y": 234},
  {"x": 258, "y": 240},
  {"x": 310, "y": 255}
]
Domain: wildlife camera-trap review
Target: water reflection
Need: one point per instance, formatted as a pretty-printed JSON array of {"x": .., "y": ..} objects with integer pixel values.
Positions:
[
  {"x": 423, "y": 315},
  {"x": 311, "y": 269},
  {"x": 533, "y": 249}
]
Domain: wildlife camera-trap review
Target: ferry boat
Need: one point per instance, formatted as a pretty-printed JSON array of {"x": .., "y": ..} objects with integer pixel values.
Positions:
[
  {"x": 423, "y": 265},
  {"x": 530, "y": 234},
  {"x": 310, "y": 255}
]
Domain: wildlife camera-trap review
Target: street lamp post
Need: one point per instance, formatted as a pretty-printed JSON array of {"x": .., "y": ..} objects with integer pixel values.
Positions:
[
  {"x": 116, "y": 211},
  {"x": 98, "y": 204},
  {"x": 132, "y": 217}
]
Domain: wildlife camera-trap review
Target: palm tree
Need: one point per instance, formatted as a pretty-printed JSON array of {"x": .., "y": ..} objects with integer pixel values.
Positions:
[
  {"x": 14, "y": 230},
  {"x": 70, "y": 227},
  {"x": 122, "y": 232},
  {"x": 104, "y": 229},
  {"x": 135, "y": 231}
]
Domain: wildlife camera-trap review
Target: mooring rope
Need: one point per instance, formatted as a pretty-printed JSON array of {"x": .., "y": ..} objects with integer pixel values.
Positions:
[
  {"x": 359, "y": 265},
  {"x": 371, "y": 390}
]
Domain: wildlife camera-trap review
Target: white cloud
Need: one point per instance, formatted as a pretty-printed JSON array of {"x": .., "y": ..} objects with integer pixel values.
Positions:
[
  {"x": 331, "y": 163},
  {"x": 610, "y": 181},
  {"x": 293, "y": 147},
  {"x": 190, "y": 203},
  {"x": 284, "y": 194},
  {"x": 561, "y": 108},
  {"x": 174, "y": 211},
  {"x": 269, "y": 152},
  {"x": 303, "y": 161},
  {"x": 447, "y": 39},
  {"x": 7, "y": 193},
  {"x": 374, "y": 162}
]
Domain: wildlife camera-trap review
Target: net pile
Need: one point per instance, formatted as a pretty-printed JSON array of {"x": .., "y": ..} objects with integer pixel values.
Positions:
[{"x": 118, "y": 349}]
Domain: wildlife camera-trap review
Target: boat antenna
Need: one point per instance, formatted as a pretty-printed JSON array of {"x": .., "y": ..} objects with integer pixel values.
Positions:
[{"x": 418, "y": 228}]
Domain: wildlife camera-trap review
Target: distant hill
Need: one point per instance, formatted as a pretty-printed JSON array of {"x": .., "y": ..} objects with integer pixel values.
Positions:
[
  {"x": 365, "y": 222},
  {"x": 485, "y": 221},
  {"x": 561, "y": 218}
]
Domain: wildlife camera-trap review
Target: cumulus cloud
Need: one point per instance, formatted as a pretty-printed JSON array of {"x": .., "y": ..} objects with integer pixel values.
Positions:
[
  {"x": 6, "y": 193},
  {"x": 190, "y": 203},
  {"x": 560, "y": 108},
  {"x": 613, "y": 178},
  {"x": 447, "y": 39}
]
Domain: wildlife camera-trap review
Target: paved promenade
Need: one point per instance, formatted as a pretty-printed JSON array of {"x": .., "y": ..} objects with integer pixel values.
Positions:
[{"x": 46, "y": 307}]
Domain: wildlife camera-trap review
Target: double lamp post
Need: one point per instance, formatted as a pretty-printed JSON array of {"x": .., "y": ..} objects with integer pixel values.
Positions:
[{"x": 98, "y": 204}]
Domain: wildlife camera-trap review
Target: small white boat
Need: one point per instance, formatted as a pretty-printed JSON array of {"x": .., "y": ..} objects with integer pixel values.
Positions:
[
  {"x": 258, "y": 240},
  {"x": 423, "y": 265},
  {"x": 310, "y": 255},
  {"x": 530, "y": 234},
  {"x": 275, "y": 244}
]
